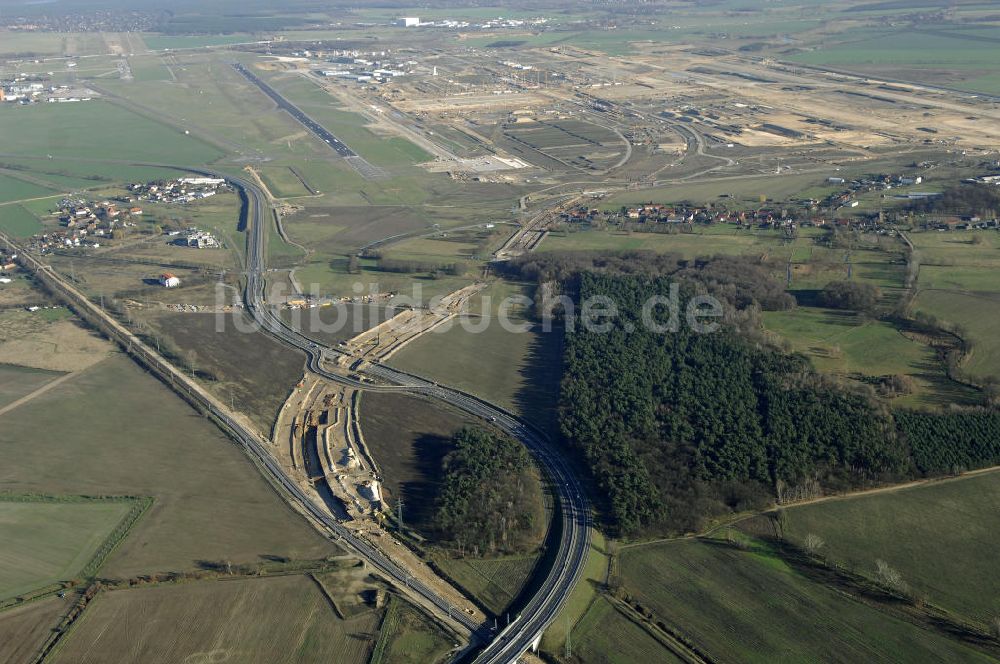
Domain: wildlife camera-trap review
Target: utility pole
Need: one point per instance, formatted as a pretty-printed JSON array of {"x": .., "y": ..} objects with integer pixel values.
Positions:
[{"x": 399, "y": 513}]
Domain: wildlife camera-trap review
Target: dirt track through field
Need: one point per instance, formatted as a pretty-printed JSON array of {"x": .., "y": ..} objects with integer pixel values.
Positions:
[{"x": 40, "y": 391}]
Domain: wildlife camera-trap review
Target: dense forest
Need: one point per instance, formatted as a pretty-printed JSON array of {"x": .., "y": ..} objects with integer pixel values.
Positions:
[
  {"x": 681, "y": 426},
  {"x": 483, "y": 506},
  {"x": 952, "y": 442}
]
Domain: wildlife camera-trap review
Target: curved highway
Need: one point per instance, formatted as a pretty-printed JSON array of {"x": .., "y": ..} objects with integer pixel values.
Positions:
[{"x": 573, "y": 511}]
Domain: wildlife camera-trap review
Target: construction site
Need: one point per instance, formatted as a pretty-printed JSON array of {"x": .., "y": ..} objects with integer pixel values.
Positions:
[{"x": 549, "y": 114}]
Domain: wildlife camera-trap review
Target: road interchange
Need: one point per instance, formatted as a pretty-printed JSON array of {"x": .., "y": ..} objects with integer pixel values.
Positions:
[{"x": 572, "y": 510}]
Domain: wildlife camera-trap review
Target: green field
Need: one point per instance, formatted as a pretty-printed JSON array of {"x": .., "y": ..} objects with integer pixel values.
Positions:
[
  {"x": 433, "y": 250},
  {"x": 748, "y": 606},
  {"x": 407, "y": 637},
  {"x": 17, "y": 381},
  {"x": 336, "y": 230},
  {"x": 844, "y": 343},
  {"x": 76, "y": 175},
  {"x": 18, "y": 221},
  {"x": 584, "y": 595},
  {"x": 963, "y": 57},
  {"x": 689, "y": 245},
  {"x": 518, "y": 370},
  {"x": 330, "y": 278},
  {"x": 148, "y": 69},
  {"x": 158, "y": 42},
  {"x": 605, "y": 635},
  {"x": 100, "y": 130},
  {"x": 979, "y": 315},
  {"x": 45, "y": 542},
  {"x": 281, "y": 619},
  {"x": 957, "y": 246},
  {"x": 351, "y": 128},
  {"x": 940, "y": 537},
  {"x": 121, "y": 432},
  {"x": 495, "y": 583},
  {"x": 814, "y": 264},
  {"x": 282, "y": 182},
  {"x": 15, "y": 189},
  {"x": 974, "y": 278},
  {"x": 43, "y": 43},
  {"x": 229, "y": 108},
  {"x": 746, "y": 192}
]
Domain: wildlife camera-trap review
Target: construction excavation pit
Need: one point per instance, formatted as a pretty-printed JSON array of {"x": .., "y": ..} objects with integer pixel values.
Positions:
[{"x": 318, "y": 439}]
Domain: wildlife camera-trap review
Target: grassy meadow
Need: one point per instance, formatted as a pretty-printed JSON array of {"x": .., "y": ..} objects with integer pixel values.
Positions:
[
  {"x": 43, "y": 542},
  {"x": 749, "y": 606},
  {"x": 518, "y": 369},
  {"x": 17, "y": 381},
  {"x": 16, "y": 189},
  {"x": 495, "y": 582},
  {"x": 18, "y": 221},
  {"x": 605, "y": 635},
  {"x": 97, "y": 129},
  {"x": 939, "y": 536}
]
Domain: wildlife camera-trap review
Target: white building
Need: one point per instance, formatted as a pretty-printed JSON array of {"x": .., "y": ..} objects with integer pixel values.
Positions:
[{"x": 408, "y": 21}]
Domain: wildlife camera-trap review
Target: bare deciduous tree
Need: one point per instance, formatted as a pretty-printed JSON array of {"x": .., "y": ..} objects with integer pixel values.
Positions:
[
  {"x": 813, "y": 543},
  {"x": 889, "y": 577}
]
